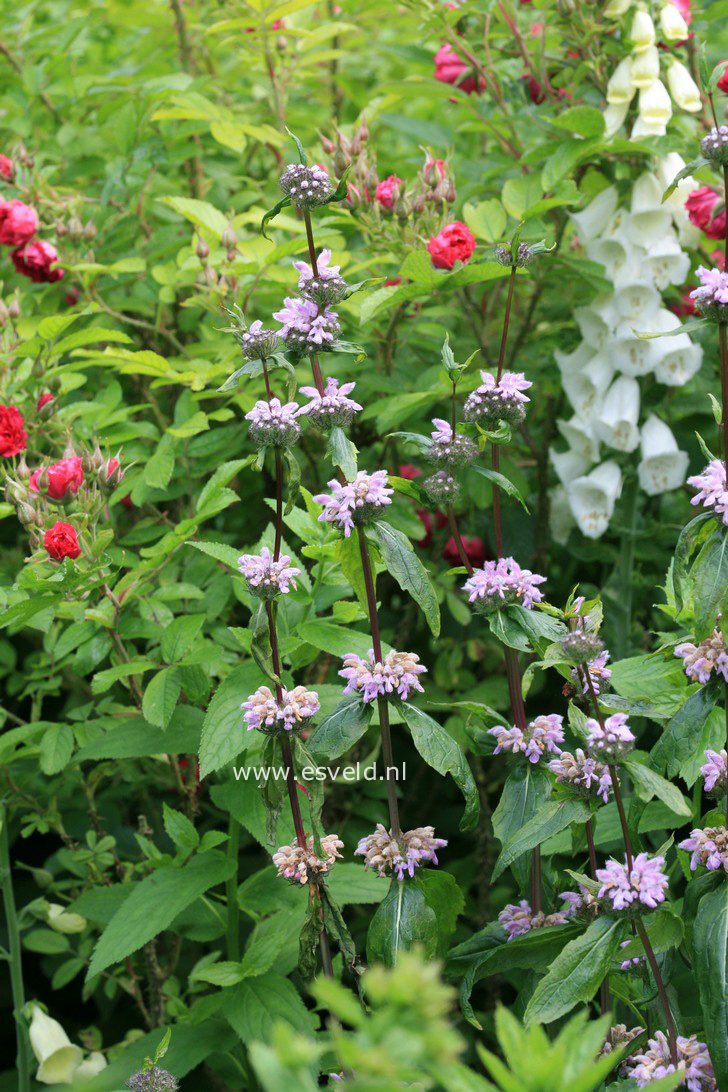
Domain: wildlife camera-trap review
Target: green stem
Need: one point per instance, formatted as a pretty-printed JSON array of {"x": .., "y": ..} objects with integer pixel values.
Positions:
[
  {"x": 231, "y": 890},
  {"x": 15, "y": 962}
]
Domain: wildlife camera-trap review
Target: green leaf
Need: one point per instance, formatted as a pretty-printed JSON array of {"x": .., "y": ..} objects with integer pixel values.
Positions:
[
  {"x": 551, "y": 817},
  {"x": 294, "y": 480},
  {"x": 709, "y": 580},
  {"x": 577, "y": 972},
  {"x": 104, "y": 680},
  {"x": 683, "y": 733},
  {"x": 487, "y": 220},
  {"x": 160, "y": 697},
  {"x": 219, "y": 550},
  {"x": 338, "y": 732},
  {"x": 648, "y": 783},
  {"x": 342, "y": 452},
  {"x": 691, "y": 534},
  {"x": 154, "y": 904},
  {"x": 402, "y": 920},
  {"x": 526, "y": 788},
  {"x": 299, "y": 147},
  {"x": 665, "y": 932},
  {"x": 710, "y": 965},
  {"x": 688, "y": 327},
  {"x": 501, "y": 482},
  {"x": 336, "y": 640},
  {"x": 260, "y": 645},
  {"x": 441, "y": 751},
  {"x": 179, "y": 637},
  {"x": 444, "y": 897},
  {"x": 180, "y": 829},
  {"x": 271, "y": 214},
  {"x": 56, "y": 748},
  {"x": 200, "y": 213},
  {"x": 224, "y": 733},
  {"x": 585, "y": 121},
  {"x": 404, "y": 565},
  {"x": 159, "y": 467},
  {"x": 255, "y": 1006}
]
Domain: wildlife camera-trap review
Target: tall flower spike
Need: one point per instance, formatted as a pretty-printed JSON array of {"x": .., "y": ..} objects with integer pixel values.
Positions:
[
  {"x": 542, "y": 736},
  {"x": 384, "y": 853},
  {"x": 355, "y": 502},
  {"x": 397, "y": 675},
  {"x": 331, "y": 408}
]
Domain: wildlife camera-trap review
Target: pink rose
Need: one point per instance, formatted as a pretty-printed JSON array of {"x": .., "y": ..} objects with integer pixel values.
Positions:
[
  {"x": 6, "y": 167},
  {"x": 449, "y": 68},
  {"x": 18, "y": 222},
  {"x": 64, "y": 477},
  {"x": 44, "y": 400},
  {"x": 683, "y": 6},
  {"x": 13, "y": 436},
  {"x": 35, "y": 259},
  {"x": 62, "y": 541},
  {"x": 455, "y": 243},
  {"x": 700, "y": 204},
  {"x": 387, "y": 191}
]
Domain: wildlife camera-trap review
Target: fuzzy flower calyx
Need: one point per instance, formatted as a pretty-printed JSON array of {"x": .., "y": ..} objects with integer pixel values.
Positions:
[
  {"x": 256, "y": 342},
  {"x": 331, "y": 408},
  {"x": 355, "y": 502},
  {"x": 450, "y": 449},
  {"x": 599, "y": 673},
  {"x": 326, "y": 285},
  {"x": 582, "y": 772},
  {"x": 613, "y": 741},
  {"x": 714, "y": 146},
  {"x": 709, "y": 847},
  {"x": 579, "y": 647},
  {"x": 306, "y": 186},
  {"x": 397, "y": 675},
  {"x": 542, "y": 736},
  {"x": 152, "y": 1079},
  {"x": 306, "y": 327},
  {"x": 384, "y": 853},
  {"x": 293, "y": 712},
  {"x": 304, "y": 866},
  {"x": 265, "y": 577},
  {"x": 645, "y": 885},
  {"x": 442, "y": 488},
  {"x": 498, "y": 400},
  {"x": 711, "y": 297},
  {"x": 502, "y": 582},
  {"x": 274, "y": 424}
]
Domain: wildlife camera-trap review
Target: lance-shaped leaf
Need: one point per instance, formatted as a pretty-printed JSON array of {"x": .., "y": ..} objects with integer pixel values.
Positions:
[
  {"x": 577, "y": 972},
  {"x": 404, "y": 565},
  {"x": 525, "y": 790},
  {"x": 710, "y": 963},
  {"x": 501, "y": 482},
  {"x": 551, "y": 817},
  {"x": 272, "y": 213},
  {"x": 260, "y": 645},
  {"x": 341, "y": 729},
  {"x": 441, "y": 751},
  {"x": 294, "y": 480},
  {"x": 648, "y": 783},
  {"x": 299, "y": 147},
  {"x": 342, "y": 452},
  {"x": 403, "y": 919}
]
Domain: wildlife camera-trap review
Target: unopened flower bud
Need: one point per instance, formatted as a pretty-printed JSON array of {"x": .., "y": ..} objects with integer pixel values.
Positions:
[
  {"x": 328, "y": 145},
  {"x": 450, "y": 193},
  {"x": 202, "y": 249},
  {"x": 441, "y": 488},
  {"x": 59, "y": 226},
  {"x": 4, "y": 313},
  {"x": 14, "y": 308},
  {"x": 418, "y": 203},
  {"x": 43, "y": 481},
  {"x": 15, "y": 492},
  {"x": 363, "y": 132},
  {"x": 714, "y": 146},
  {"x": 579, "y": 647},
  {"x": 38, "y": 369},
  {"x": 341, "y": 161},
  {"x": 89, "y": 232},
  {"x": 229, "y": 239},
  {"x": 22, "y": 470},
  {"x": 75, "y": 227}
]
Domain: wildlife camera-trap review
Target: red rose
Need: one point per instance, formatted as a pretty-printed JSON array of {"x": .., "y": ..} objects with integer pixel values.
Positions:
[
  {"x": 700, "y": 205},
  {"x": 408, "y": 471},
  {"x": 387, "y": 192},
  {"x": 18, "y": 222},
  {"x": 44, "y": 400},
  {"x": 6, "y": 167},
  {"x": 723, "y": 81},
  {"x": 35, "y": 259},
  {"x": 13, "y": 436},
  {"x": 449, "y": 68},
  {"x": 63, "y": 477},
  {"x": 62, "y": 541},
  {"x": 474, "y": 551},
  {"x": 455, "y": 243}
]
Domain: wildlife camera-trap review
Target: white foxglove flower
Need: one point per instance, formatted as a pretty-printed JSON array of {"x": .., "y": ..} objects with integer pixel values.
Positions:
[
  {"x": 615, "y": 9},
  {"x": 585, "y": 389},
  {"x": 680, "y": 363},
  {"x": 596, "y": 321},
  {"x": 663, "y": 466},
  {"x": 561, "y": 518},
  {"x": 621, "y": 89},
  {"x": 643, "y": 128},
  {"x": 575, "y": 361},
  {"x": 616, "y": 421},
  {"x": 593, "y": 219},
  {"x": 642, "y": 34},
  {"x": 654, "y": 104},
  {"x": 683, "y": 87},
  {"x": 667, "y": 263},
  {"x": 592, "y": 498},
  {"x": 646, "y": 193},
  {"x": 581, "y": 438},
  {"x": 631, "y": 355},
  {"x": 614, "y": 117},
  {"x": 667, "y": 170},
  {"x": 689, "y": 236},
  {"x": 90, "y": 1067},
  {"x": 58, "y": 1058},
  {"x": 645, "y": 67},
  {"x": 64, "y": 922},
  {"x": 673, "y": 26},
  {"x": 649, "y": 221},
  {"x": 636, "y": 301},
  {"x": 569, "y": 465},
  {"x": 619, "y": 259}
]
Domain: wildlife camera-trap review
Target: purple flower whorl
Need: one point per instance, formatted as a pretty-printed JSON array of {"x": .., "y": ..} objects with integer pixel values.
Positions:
[
  {"x": 355, "y": 502},
  {"x": 500, "y": 583}
]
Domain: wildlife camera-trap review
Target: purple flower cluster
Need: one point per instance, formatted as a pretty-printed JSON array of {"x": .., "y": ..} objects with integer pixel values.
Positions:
[
  {"x": 715, "y": 772},
  {"x": 266, "y": 577},
  {"x": 542, "y": 736},
  {"x": 306, "y": 326},
  {"x": 709, "y": 847},
  {"x": 306, "y": 186},
  {"x": 324, "y": 287},
  {"x": 355, "y": 502},
  {"x": 711, "y": 298},
  {"x": 274, "y": 423},
  {"x": 518, "y": 919},
  {"x": 599, "y": 673},
  {"x": 701, "y": 660},
  {"x": 498, "y": 400},
  {"x": 645, "y": 884},
  {"x": 257, "y": 342},
  {"x": 304, "y": 866},
  {"x": 450, "y": 449},
  {"x": 693, "y": 1061},
  {"x": 397, "y": 675},
  {"x": 385, "y": 853},
  {"x": 611, "y": 742},
  {"x": 333, "y": 407},
  {"x": 712, "y": 488},
  {"x": 580, "y": 904},
  {"x": 583, "y": 772},
  {"x": 296, "y": 708},
  {"x": 502, "y": 582}
]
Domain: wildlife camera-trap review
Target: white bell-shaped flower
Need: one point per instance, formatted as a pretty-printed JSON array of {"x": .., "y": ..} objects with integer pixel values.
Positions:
[
  {"x": 574, "y": 361},
  {"x": 642, "y": 33},
  {"x": 581, "y": 438},
  {"x": 646, "y": 193},
  {"x": 561, "y": 519},
  {"x": 620, "y": 88},
  {"x": 56, "y": 1055},
  {"x": 63, "y": 921},
  {"x": 673, "y": 26},
  {"x": 616, "y": 421},
  {"x": 667, "y": 263},
  {"x": 593, "y": 219},
  {"x": 631, "y": 355},
  {"x": 592, "y": 498},
  {"x": 689, "y": 236},
  {"x": 568, "y": 465},
  {"x": 667, "y": 169},
  {"x": 683, "y": 88},
  {"x": 636, "y": 301},
  {"x": 614, "y": 118},
  {"x": 680, "y": 362},
  {"x": 645, "y": 67},
  {"x": 586, "y": 388},
  {"x": 642, "y": 128},
  {"x": 90, "y": 1067},
  {"x": 615, "y": 9},
  {"x": 620, "y": 260},
  {"x": 593, "y": 327},
  {"x": 663, "y": 466},
  {"x": 654, "y": 104}
]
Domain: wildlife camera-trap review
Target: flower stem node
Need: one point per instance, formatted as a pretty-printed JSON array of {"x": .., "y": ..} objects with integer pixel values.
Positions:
[
  {"x": 292, "y": 713},
  {"x": 542, "y": 736},
  {"x": 257, "y": 343},
  {"x": 711, "y": 297},
  {"x": 612, "y": 741},
  {"x": 273, "y": 424},
  {"x": 700, "y": 661},
  {"x": 332, "y": 408},
  {"x": 643, "y": 886},
  {"x": 709, "y": 847},
  {"x": 442, "y": 488},
  {"x": 714, "y": 146},
  {"x": 518, "y": 919},
  {"x": 372, "y": 679},
  {"x": 302, "y": 866},
  {"x": 693, "y": 1062},
  {"x": 306, "y": 328},
  {"x": 715, "y": 772},
  {"x": 397, "y": 856},
  {"x": 152, "y": 1079},
  {"x": 500, "y": 583},
  {"x": 307, "y": 187},
  {"x": 505, "y": 256},
  {"x": 450, "y": 450}
]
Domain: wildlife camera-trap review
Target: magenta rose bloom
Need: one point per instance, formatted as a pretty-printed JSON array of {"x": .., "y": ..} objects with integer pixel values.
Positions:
[
  {"x": 35, "y": 259},
  {"x": 18, "y": 222},
  {"x": 13, "y": 436},
  {"x": 387, "y": 191},
  {"x": 455, "y": 243},
  {"x": 450, "y": 68},
  {"x": 62, "y": 541}
]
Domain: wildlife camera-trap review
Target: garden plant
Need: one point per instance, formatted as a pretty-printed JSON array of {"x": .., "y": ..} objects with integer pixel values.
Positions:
[{"x": 364, "y": 545}]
